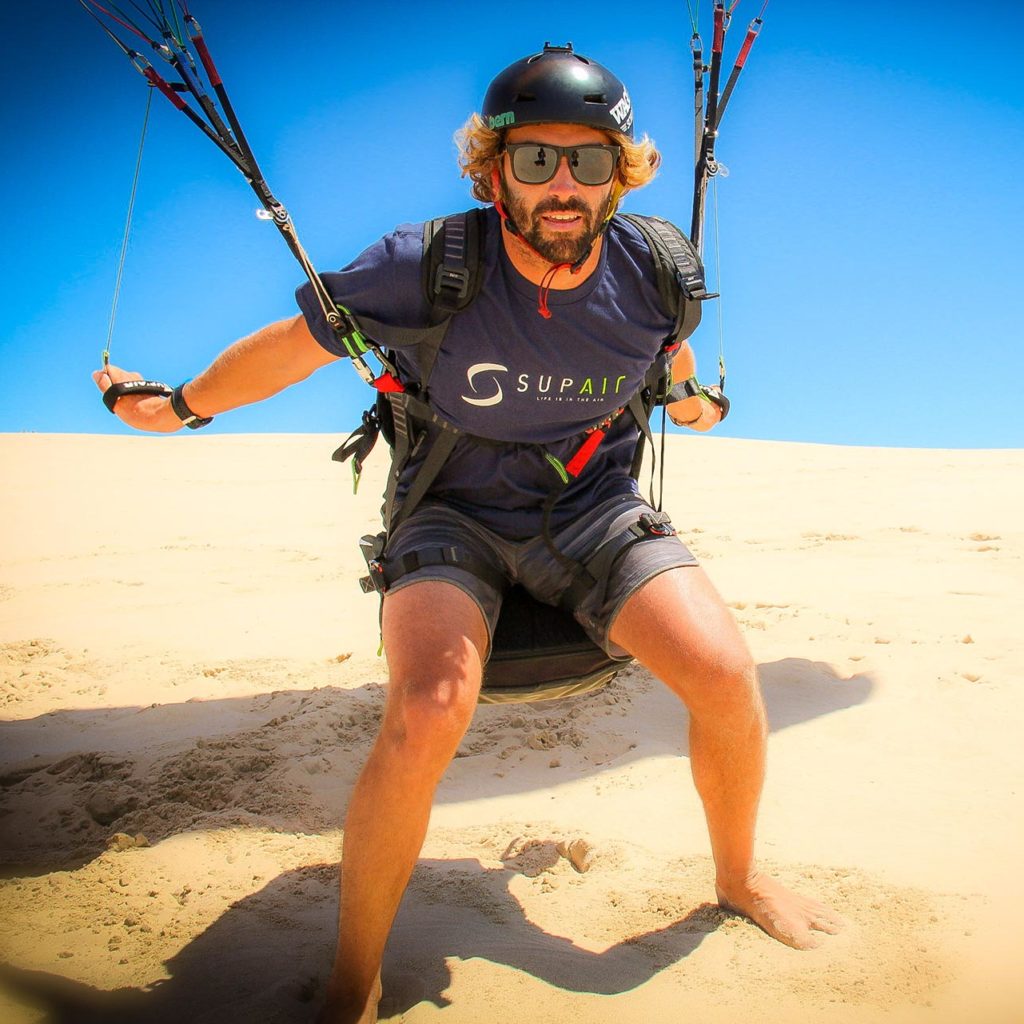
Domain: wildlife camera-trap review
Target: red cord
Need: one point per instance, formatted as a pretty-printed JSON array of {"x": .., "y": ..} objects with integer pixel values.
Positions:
[{"x": 549, "y": 275}]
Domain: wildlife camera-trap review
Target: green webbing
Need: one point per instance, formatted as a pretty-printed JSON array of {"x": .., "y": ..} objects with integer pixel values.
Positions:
[
  {"x": 354, "y": 341},
  {"x": 694, "y": 15},
  {"x": 559, "y": 468}
]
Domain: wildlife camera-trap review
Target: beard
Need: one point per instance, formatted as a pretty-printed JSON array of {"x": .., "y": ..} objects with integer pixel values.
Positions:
[{"x": 559, "y": 248}]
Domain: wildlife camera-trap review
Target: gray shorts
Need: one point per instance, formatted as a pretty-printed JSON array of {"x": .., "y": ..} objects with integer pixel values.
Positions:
[{"x": 530, "y": 563}]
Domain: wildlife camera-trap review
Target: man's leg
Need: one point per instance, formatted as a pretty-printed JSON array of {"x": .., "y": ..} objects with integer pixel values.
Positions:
[
  {"x": 678, "y": 626},
  {"x": 436, "y": 640}
]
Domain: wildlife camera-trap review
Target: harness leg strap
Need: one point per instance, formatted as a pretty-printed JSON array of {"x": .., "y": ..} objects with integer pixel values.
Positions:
[
  {"x": 597, "y": 570},
  {"x": 386, "y": 570}
]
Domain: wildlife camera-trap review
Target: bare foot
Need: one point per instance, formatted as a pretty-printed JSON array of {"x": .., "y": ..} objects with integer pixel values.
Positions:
[
  {"x": 342, "y": 1009},
  {"x": 784, "y": 915}
]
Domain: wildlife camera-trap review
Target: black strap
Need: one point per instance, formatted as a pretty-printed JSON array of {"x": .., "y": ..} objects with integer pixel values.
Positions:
[
  {"x": 191, "y": 419},
  {"x": 692, "y": 388},
  {"x": 396, "y": 568},
  {"x": 452, "y": 266},
  {"x": 437, "y": 456},
  {"x": 134, "y": 387},
  {"x": 358, "y": 445},
  {"x": 598, "y": 568},
  {"x": 679, "y": 271},
  {"x": 453, "y": 248},
  {"x": 452, "y": 274},
  {"x": 640, "y": 406},
  {"x": 401, "y": 449},
  {"x": 689, "y": 388}
]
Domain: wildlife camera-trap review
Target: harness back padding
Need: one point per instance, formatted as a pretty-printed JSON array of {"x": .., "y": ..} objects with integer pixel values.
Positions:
[{"x": 540, "y": 653}]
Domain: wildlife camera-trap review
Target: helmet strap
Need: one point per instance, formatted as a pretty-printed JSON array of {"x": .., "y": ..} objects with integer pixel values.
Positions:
[
  {"x": 618, "y": 191},
  {"x": 506, "y": 220}
]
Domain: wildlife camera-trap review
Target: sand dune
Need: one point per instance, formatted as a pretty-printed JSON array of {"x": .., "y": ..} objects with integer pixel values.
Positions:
[{"x": 189, "y": 684}]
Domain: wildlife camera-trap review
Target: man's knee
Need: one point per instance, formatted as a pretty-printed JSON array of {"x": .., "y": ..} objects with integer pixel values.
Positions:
[
  {"x": 426, "y": 716},
  {"x": 436, "y": 640},
  {"x": 679, "y": 627},
  {"x": 722, "y": 683}
]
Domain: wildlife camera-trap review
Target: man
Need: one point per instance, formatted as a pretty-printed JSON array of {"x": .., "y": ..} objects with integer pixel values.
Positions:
[{"x": 568, "y": 299}]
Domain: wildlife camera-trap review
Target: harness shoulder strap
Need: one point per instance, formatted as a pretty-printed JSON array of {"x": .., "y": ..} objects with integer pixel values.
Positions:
[
  {"x": 680, "y": 273},
  {"x": 452, "y": 274}
]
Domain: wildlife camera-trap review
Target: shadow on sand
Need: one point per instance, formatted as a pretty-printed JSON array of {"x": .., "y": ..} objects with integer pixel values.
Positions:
[
  {"x": 237, "y": 761},
  {"x": 284, "y": 933},
  {"x": 220, "y": 761}
]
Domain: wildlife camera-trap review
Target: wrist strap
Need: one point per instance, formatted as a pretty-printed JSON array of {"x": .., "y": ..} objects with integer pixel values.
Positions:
[{"x": 184, "y": 413}]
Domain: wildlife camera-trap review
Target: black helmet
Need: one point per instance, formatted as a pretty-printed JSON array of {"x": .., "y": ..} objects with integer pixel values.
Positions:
[{"x": 558, "y": 85}]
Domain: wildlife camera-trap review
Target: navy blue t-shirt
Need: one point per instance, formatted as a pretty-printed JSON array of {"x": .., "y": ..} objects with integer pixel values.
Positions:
[{"x": 506, "y": 373}]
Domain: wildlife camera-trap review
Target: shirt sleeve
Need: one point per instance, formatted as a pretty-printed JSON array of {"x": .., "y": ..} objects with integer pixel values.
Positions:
[{"x": 383, "y": 282}]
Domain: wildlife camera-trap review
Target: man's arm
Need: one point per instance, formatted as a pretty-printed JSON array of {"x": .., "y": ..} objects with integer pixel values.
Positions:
[
  {"x": 694, "y": 412},
  {"x": 248, "y": 371}
]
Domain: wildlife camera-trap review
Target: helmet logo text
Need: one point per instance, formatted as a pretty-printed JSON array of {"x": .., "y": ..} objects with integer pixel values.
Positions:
[
  {"x": 622, "y": 109},
  {"x": 496, "y": 121}
]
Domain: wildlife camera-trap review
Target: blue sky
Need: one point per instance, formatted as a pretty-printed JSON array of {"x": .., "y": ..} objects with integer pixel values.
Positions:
[{"x": 870, "y": 224}]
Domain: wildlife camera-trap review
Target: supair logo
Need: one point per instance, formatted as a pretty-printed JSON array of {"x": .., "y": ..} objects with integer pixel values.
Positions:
[
  {"x": 497, "y": 121},
  {"x": 544, "y": 386},
  {"x": 471, "y": 377}
]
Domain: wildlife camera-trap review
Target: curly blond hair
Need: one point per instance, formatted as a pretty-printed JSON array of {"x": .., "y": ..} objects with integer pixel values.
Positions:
[{"x": 480, "y": 149}]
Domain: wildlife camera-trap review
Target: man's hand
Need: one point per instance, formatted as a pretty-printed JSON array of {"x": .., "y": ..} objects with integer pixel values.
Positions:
[
  {"x": 143, "y": 412},
  {"x": 696, "y": 412}
]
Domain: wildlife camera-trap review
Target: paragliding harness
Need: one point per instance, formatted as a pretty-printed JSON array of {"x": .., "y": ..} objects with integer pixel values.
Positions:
[{"x": 539, "y": 652}]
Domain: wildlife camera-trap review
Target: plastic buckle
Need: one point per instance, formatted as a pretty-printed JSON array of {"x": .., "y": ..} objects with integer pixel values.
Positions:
[
  {"x": 693, "y": 286},
  {"x": 657, "y": 524},
  {"x": 374, "y": 583},
  {"x": 452, "y": 279}
]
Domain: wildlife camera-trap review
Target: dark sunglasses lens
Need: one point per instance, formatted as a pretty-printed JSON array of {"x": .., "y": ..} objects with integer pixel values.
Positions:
[
  {"x": 591, "y": 165},
  {"x": 533, "y": 165}
]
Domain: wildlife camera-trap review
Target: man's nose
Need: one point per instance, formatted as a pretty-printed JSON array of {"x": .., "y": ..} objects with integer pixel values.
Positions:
[{"x": 563, "y": 183}]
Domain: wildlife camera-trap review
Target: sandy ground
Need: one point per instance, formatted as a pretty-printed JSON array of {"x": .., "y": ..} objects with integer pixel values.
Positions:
[{"x": 189, "y": 684}]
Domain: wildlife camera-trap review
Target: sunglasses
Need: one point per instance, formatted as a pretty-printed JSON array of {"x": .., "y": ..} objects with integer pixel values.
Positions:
[{"x": 534, "y": 163}]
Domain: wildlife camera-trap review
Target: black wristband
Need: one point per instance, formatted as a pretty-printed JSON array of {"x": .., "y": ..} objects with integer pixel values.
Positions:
[
  {"x": 184, "y": 413},
  {"x": 692, "y": 388},
  {"x": 681, "y": 390}
]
